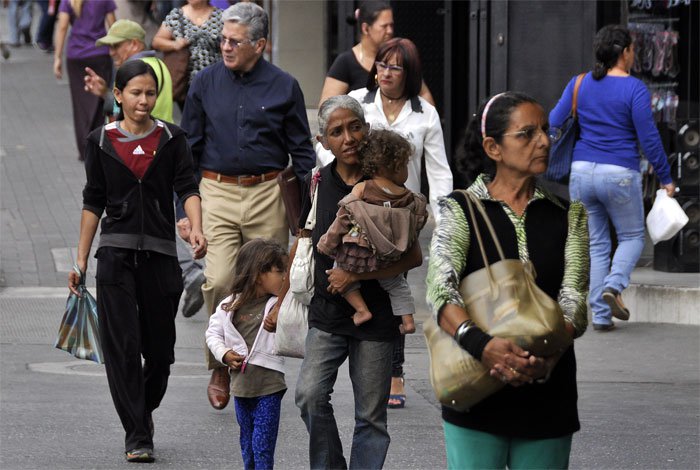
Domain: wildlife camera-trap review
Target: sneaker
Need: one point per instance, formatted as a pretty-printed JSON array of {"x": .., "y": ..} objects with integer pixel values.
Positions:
[
  {"x": 617, "y": 307},
  {"x": 140, "y": 455},
  {"x": 194, "y": 299}
]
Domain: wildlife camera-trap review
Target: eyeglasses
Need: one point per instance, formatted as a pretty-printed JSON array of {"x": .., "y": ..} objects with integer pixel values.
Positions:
[
  {"x": 233, "y": 43},
  {"x": 393, "y": 69},
  {"x": 530, "y": 133}
]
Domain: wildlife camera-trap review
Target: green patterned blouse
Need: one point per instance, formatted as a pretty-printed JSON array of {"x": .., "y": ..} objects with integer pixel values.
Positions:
[{"x": 450, "y": 244}]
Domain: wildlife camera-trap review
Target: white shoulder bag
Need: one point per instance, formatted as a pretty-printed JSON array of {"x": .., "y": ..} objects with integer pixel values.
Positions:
[{"x": 293, "y": 317}]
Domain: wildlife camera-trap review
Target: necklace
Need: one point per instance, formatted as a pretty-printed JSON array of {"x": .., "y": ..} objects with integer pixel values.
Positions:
[{"x": 391, "y": 114}]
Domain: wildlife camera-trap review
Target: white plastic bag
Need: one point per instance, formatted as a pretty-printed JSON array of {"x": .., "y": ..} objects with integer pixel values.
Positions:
[
  {"x": 292, "y": 326},
  {"x": 665, "y": 218}
]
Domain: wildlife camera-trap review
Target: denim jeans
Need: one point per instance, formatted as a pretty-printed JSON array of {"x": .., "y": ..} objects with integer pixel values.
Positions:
[
  {"x": 19, "y": 18},
  {"x": 609, "y": 192},
  {"x": 370, "y": 373}
]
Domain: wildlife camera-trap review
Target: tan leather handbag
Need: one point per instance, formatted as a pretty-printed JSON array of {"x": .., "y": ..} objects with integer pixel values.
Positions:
[{"x": 503, "y": 300}]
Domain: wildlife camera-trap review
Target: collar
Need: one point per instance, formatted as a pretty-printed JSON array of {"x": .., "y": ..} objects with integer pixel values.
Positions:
[
  {"x": 337, "y": 179},
  {"x": 252, "y": 74},
  {"x": 479, "y": 189},
  {"x": 371, "y": 97},
  {"x": 142, "y": 55}
]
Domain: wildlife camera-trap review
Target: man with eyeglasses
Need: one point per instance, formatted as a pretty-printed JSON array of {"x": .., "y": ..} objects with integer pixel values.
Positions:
[{"x": 244, "y": 118}]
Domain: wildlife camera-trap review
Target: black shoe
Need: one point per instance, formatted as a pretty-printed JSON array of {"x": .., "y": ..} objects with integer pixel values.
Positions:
[
  {"x": 614, "y": 299},
  {"x": 194, "y": 299},
  {"x": 603, "y": 327}
]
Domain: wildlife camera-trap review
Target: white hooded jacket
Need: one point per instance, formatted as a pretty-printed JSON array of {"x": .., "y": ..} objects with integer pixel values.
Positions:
[{"x": 222, "y": 337}]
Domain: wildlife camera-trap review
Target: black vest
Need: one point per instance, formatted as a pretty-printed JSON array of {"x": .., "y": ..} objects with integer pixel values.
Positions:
[{"x": 535, "y": 411}]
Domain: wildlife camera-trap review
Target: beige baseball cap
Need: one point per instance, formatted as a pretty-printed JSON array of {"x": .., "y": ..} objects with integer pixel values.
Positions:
[{"x": 122, "y": 30}]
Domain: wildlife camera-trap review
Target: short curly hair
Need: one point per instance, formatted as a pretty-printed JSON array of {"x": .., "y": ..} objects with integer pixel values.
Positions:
[{"x": 383, "y": 149}]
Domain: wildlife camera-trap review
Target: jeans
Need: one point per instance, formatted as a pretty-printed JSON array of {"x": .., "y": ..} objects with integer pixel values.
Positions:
[
  {"x": 370, "y": 368},
  {"x": 19, "y": 18},
  {"x": 609, "y": 192},
  {"x": 44, "y": 33},
  {"x": 192, "y": 268}
]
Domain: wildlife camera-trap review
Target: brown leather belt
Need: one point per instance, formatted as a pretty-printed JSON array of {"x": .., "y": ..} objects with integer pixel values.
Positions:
[{"x": 241, "y": 180}]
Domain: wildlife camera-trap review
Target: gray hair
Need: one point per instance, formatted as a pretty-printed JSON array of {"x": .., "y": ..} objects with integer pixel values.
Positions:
[
  {"x": 251, "y": 15},
  {"x": 334, "y": 103}
]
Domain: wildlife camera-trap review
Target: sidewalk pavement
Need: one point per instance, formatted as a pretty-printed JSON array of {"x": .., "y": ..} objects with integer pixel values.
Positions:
[{"x": 639, "y": 387}]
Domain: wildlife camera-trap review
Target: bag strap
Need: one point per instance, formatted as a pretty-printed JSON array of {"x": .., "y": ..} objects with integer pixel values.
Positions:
[
  {"x": 574, "y": 101},
  {"x": 311, "y": 218},
  {"x": 472, "y": 201}
]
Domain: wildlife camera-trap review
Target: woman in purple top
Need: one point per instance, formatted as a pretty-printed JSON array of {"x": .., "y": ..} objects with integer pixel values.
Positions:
[
  {"x": 89, "y": 21},
  {"x": 614, "y": 114}
]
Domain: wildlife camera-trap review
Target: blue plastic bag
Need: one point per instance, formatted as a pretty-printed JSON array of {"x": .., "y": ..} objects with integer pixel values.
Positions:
[{"x": 79, "y": 333}]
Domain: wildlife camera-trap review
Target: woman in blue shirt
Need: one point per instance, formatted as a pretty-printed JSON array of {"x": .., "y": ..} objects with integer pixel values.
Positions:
[{"x": 614, "y": 114}]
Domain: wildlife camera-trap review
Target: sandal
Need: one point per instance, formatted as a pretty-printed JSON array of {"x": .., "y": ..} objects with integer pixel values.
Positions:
[{"x": 397, "y": 400}]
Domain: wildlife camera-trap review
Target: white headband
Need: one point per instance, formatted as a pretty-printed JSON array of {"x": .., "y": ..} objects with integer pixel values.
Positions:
[{"x": 486, "y": 110}]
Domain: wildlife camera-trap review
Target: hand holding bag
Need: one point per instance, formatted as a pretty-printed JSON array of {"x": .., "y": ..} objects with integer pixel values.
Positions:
[
  {"x": 562, "y": 151},
  {"x": 79, "y": 333},
  {"x": 178, "y": 64},
  {"x": 504, "y": 301},
  {"x": 293, "y": 316}
]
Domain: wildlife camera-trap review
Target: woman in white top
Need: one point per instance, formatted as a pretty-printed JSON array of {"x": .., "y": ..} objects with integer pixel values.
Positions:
[{"x": 391, "y": 100}]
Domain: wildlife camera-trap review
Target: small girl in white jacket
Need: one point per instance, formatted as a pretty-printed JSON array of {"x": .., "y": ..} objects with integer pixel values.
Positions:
[{"x": 236, "y": 337}]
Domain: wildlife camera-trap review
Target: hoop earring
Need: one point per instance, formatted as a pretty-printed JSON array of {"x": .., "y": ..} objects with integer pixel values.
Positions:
[{"x": 376, "y": 79}]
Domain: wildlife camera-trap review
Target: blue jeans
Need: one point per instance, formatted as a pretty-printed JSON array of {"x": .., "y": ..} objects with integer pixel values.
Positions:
[
  {"x": 259, "y": 420},
  {"x": 610, "y": 192},
  {"x": 370, "y": 373},
  {"x": 19, "y": 18}
]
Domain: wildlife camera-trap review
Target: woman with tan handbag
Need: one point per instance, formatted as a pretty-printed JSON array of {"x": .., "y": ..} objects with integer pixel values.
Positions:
[
  {"x": 194, "y": 28},
  {"x": 529, "y": 422}
]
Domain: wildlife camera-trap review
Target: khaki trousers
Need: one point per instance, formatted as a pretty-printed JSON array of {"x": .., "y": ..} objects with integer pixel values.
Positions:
[{"x": 231, "y": 216}]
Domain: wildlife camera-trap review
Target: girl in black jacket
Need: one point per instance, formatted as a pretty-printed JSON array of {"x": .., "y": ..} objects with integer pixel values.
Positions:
[{"x": 133, "y": 165}]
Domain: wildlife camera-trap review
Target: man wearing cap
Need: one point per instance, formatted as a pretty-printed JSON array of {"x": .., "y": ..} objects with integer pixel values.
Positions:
[
  {"x": 244, "y": 118},
  {"x": 126, "y": 42}
]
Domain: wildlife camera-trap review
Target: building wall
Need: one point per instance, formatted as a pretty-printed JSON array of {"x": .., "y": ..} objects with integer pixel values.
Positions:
[{"x": 299, "y": 43}]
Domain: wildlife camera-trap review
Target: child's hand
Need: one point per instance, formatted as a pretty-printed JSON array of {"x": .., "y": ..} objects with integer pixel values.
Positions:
[
  {"x": 233, "y": 360},
  {"x": 270, "y": 322}
]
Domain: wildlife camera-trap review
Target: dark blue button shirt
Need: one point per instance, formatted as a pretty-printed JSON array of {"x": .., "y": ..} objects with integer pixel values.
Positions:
[{"x": 247, "y": 124}]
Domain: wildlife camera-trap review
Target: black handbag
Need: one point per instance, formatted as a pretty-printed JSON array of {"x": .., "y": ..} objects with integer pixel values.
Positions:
[{"x": 563, "y": 140}]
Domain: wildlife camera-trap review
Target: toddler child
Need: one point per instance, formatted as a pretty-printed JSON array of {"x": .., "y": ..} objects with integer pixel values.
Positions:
[{"x": 377, "y": 223}]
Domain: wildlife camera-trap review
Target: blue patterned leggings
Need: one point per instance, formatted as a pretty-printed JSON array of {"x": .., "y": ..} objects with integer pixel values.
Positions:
[{"x": 259, "y": 420}]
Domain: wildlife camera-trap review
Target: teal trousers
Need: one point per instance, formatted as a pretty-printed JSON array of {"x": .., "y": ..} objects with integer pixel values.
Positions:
[{"x": 470, "y": 449}]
